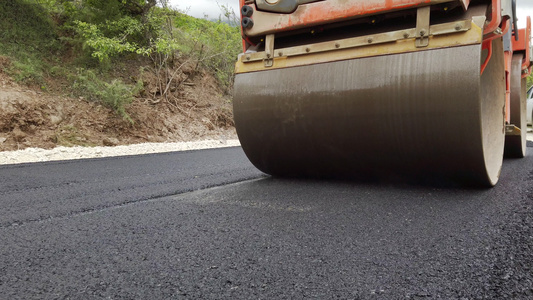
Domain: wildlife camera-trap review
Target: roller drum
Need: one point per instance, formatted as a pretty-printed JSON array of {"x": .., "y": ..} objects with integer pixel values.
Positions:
[
  {"x": 515, "y": 145},
  {"x": 420, "y": 113}
]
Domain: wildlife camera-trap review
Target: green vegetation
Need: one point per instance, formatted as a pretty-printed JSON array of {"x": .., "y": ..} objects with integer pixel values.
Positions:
[
  {"x": 215, "y": 45},
  {"x": 28, "y": 34},
  {"x": 82, "y": 41},
  {"x": 530, "y": 81},
  {"x": 115, "y": 95}
]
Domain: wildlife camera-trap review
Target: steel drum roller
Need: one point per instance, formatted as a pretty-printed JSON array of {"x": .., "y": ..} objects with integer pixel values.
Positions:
[
  {"x": 515, "y": 145},
  {"x": 428, "y": 113}
]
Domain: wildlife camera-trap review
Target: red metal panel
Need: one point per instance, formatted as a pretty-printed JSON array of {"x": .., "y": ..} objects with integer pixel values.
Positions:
[
  {"x": 523, "y": 43},
  {"x": 496, "y": 17},
  {"x": 520, "y": 45},
  {"x": 330, "y": 11}
]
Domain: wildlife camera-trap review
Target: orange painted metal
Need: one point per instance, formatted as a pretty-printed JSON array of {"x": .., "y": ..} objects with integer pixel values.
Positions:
[
  {"x": 496, "y": 17},
  {"x": 505, "y": 26},
  {"x": 523, "y": 44},
  {"x": 328, "y": 11},
  {"x": 508, "y": 60},
  {"x": 491, "y": 35},
  {"x": 528, "y": 53},
  {"x": 487, "y": 45},
  {"x": 324, "y": 12},
  {"x": 508, "y": 57}
]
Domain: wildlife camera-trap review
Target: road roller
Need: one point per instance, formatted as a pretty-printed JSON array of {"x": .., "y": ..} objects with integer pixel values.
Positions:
[{"x": 418, "y": 88}]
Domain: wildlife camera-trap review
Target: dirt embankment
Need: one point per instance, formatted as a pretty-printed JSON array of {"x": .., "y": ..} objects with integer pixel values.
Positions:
[{"x": 197, "y": 109}]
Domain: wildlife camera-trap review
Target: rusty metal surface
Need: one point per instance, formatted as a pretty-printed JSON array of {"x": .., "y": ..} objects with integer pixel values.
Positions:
[{"x": 424, "y": 113}]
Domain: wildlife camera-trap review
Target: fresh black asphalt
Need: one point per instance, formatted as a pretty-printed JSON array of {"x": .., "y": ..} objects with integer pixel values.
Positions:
[{"x": 207, "y": 225}]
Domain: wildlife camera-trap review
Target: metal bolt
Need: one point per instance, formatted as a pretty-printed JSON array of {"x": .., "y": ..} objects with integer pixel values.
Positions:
[
  {"x": 307, "y": 50},
  {"x": 280, "y": 53},
  {"x": 422, "y": 32},
  {"x": 337, "y": 45},
  {"x": 405, "y": 35},
  {"x": 268, "y": 55},
  {"x": 370, "y": 40},
  {"x": 458, "y": 27},
  {"x": 248, "y": 57}
]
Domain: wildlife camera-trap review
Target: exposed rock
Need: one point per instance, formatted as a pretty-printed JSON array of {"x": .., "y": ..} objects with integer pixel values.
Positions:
[
  {"x": 110, "y": 141},
  {"x": 55, "y": 119}
]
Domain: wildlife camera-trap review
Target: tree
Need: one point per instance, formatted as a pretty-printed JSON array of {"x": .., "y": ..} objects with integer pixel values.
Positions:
[{"x": 137, "y": 7}]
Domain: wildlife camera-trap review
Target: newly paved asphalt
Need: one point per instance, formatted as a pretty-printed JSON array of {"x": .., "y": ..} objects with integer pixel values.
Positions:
[{"x": 207, "y": 225}]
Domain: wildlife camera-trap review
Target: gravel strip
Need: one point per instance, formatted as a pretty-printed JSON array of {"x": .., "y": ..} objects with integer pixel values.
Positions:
[{"x": 66, "y": 153}]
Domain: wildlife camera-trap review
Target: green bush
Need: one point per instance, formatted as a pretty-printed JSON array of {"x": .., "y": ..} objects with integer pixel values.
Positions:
[
  {"x": 115, "y": 95},
  {"x": 215, "y": 44},
  {"x": 27, "y": 70}
]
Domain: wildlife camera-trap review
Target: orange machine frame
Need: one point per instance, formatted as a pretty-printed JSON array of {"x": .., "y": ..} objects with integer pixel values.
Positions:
[
  {"x": 324, "y": 12},
  {"x": 524, "y": 38},
  {"x": 332, "y": 10}
]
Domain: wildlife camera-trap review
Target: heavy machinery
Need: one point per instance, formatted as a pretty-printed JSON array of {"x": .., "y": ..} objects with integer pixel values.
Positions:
[{"x": 363, "y": 87}]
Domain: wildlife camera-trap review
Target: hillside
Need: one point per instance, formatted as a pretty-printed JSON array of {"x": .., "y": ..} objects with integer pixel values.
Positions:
[{"x": 170, "y": 80}]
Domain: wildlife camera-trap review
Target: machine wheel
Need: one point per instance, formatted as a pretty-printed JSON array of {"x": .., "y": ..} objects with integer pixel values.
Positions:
[
  {"x": 426, "y": 113},
  {"x": 515, "y": 145}
]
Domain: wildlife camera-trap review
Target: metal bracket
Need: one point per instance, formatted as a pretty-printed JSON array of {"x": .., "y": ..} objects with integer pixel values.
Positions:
[
  {"x": 437, "y": 30},
  {"x": 422, "y": 26},
  {"x": 269, "y": 51},
  {"x": 511, "y": 129}
]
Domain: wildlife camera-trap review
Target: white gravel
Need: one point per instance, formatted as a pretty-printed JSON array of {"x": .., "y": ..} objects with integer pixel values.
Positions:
[{"x": 67, "y": 153}]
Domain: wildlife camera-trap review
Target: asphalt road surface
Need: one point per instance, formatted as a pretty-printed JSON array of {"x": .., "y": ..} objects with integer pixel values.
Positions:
[{"x": 207, "y": 225}]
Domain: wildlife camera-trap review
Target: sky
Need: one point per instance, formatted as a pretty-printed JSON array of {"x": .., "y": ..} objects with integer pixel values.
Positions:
[
  {"x": 211, "y": 8},
  {"x": 524, "y": 8}
]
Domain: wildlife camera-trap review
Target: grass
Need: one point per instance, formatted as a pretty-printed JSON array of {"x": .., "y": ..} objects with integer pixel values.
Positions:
[{"x": 27, "y": 35}]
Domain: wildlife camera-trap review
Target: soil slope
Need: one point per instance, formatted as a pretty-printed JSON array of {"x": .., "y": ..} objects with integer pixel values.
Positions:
[{"x": 30, "y": 118}]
